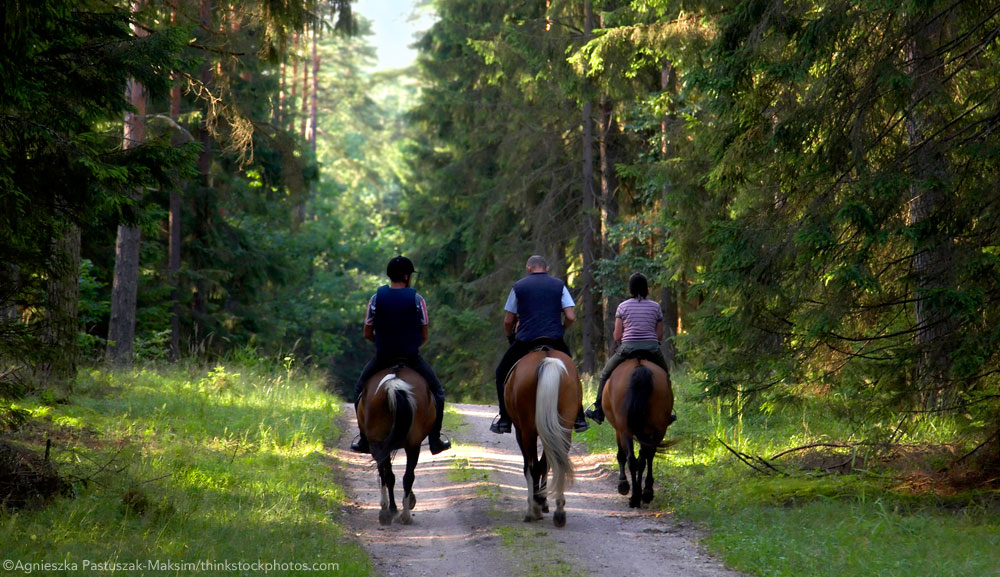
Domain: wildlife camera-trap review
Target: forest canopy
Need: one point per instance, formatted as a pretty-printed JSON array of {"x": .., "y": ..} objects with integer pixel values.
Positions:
[{"x": 809, "y": 186}]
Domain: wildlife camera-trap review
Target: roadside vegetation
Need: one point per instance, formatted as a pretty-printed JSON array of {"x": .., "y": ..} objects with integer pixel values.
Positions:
[
  {"x": 826, "y": 507},
  {"x": 187, "y": 464}
]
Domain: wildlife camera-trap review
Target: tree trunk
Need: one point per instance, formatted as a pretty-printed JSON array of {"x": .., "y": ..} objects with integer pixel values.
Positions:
[
  {"x": 929, "y": 208},
  {"x": 61, "y": 321},
  {"x": 125, "y": 287},
  {"x": 293, "y": 82},
  {"x": 304, "y": 109},
  {"x": 10, "y": 280},
  {"x": 609, "y": 143},
  {"x": 203, "y": 201},
  {"x": 174, "y": 241},
  {"x": 588, "y": 298},
  {"x": 279, "y": 116},
  {"x": 668, "y": 293},
  {"x": 313, "y": 113}
]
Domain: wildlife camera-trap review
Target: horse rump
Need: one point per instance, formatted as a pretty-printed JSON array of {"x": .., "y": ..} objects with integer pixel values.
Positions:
[
  {"x": 637, "y": 407},
  {"x": 402, "y": 406}
]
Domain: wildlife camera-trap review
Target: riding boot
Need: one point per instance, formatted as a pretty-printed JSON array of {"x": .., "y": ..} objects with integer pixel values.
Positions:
[
  {"x": 597, "y": 413},
  {"x": 581, "y": 424},
  {"x": 360, "y": 445},
  {"x": 434, "y": 441},
  {"x": 501, "y": 425}
]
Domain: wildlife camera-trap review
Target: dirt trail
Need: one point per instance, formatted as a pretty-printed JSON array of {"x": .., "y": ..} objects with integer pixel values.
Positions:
[{"x": 471, "y": 502}]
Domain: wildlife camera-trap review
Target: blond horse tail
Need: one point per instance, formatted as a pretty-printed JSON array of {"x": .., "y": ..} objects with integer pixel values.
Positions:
[{"x": 555, "y": 437}]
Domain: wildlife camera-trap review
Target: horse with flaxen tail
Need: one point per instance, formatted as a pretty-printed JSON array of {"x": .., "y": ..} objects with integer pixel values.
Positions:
[
  {"x": 396, "y": 411},
  {"x": 638, "y": 402},
  {"x": 543, "y": 395}
]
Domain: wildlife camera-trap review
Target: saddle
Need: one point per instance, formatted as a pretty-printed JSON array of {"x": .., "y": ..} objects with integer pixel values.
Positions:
[
  {"x": 536, "y": 348},
  {"x": 640, "y": 355}
]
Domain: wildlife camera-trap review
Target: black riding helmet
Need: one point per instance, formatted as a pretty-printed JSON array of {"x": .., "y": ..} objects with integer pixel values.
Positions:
[{"x": 399, "y": 268}]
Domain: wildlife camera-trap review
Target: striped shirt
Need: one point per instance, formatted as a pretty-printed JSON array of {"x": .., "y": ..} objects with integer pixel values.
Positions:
[{"x": 639, "y": 318}]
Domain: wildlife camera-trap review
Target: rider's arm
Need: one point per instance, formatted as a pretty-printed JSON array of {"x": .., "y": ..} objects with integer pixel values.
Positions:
[
  {"x": 567, "y": 307},
  {"x": 425, "y": 319},
  {"x": 509, "y": 323},
  {"x": 570, "y": 316},
  {"x": 619, "y": 329},
  {"x": 659, "y": 331},
  {"x": 370, "y": 320}
]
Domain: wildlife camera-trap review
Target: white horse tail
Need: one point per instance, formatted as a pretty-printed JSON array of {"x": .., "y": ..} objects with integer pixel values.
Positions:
[{"x": 555, "y": 437}]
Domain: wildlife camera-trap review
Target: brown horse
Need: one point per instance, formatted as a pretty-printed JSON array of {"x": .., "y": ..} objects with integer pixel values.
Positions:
[
  {"x": 543, "y": 395},
  {"x": 638, "y": 402},
  {"x": 395, "y": 412}
]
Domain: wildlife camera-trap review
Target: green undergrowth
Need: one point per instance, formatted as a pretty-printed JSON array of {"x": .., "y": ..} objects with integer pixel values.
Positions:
[
  {"x": 864, "y": 517},
  {"x": 187, "y": 471}
]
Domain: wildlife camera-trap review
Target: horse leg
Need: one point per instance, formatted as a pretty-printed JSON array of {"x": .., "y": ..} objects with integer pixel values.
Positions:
[
  {"x": 386, "y": 481},
  {"x": 559, "y": 517},
  {"x": 541, "y": 475},
  {"x": 623, "y": 486},
  {"x": 634, "y": 469},
  {"x": 647, "y": 454},
  {"x": 529, "y": 451},
  {"x": 409, "y": 500}
]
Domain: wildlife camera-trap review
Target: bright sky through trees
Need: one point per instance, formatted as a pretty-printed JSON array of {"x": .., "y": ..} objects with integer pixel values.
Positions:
[{"x": 395, "y": 26}]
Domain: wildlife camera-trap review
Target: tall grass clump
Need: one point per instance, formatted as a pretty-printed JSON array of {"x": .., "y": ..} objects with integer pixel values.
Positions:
[{"x": 189, "y": 465}]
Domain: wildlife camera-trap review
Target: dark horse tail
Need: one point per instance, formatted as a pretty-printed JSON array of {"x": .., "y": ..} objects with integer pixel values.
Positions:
[
  {"x": 401, "y": 405},
  {"x": 640, "y": 389}
]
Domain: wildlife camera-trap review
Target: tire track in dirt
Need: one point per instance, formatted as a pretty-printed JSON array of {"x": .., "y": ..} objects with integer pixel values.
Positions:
[{"x": 470, "y": 505}]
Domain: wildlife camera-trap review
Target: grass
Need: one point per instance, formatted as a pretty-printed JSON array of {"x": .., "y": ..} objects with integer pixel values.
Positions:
[
  {"x": 865, "y": 523},
  {"x": 180, "y": 466}
]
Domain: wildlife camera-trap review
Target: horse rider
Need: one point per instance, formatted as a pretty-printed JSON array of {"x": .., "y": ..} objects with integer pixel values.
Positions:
[
  {"x": 536, "y": 307},
  {"x": 639, "y": 329},
  {"x": 397, "y": 323}
]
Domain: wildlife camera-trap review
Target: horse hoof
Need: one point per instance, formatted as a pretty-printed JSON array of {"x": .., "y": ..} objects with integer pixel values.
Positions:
[
  {"x": 559, "y": 519},
  {"x": 405, "y": 518},
  {"x": 545, "y": 507},
  {"x": 623, "y": 487},
  {"x": 411, "y": 501},
  {"x": 647, "y": 496},
  {"x": 634, "y": 504},
  {"x": 384, "y": 517}
]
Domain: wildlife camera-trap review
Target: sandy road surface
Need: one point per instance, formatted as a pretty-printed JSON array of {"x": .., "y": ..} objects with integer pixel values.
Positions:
[{"x": 470, "y": 505}]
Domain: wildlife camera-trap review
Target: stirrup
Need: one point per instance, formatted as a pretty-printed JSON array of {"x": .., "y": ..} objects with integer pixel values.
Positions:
[
  {"x": 499, "y": 426},
  {"x": 437, "y": 444},
  {"x": 360, "y": 445}
]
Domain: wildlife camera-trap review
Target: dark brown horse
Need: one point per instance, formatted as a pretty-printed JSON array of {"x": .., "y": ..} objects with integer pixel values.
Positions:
[
  {"x": 638, "y": 402},
  {"x": 543, "y": 395},
  {"x": 395, "y": 412}
]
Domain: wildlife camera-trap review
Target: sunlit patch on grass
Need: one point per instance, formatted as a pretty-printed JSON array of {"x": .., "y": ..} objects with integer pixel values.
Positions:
[{"x": 194, "y": 464}]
